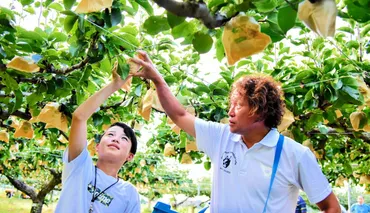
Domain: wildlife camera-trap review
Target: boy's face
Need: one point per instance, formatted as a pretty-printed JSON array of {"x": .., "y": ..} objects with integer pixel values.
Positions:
[
  {"x": 115, "y": 146},
  {"x": 240, "y": 119}
]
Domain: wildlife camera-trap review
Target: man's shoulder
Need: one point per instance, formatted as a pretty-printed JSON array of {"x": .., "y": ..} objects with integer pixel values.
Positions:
[{"x": 293, "y": 146}]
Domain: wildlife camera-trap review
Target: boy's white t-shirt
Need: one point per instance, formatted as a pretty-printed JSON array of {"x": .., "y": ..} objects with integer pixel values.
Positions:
[
  {"x": 241, "y": 176},
  {"x": 78, "y": 178}
]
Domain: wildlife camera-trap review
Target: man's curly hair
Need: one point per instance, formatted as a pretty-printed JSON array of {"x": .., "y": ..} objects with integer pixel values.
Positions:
[{"x": 264, "y": 97}]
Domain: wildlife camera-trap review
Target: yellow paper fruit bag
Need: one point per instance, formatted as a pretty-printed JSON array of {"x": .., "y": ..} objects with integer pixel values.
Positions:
[
  {"x": 53, "y": 118},
  {"x": 24, "y": 130},
  {"x": 169, "y": 150},
  {"x": 191, "y": 146},
  {"x": 4, "y": 136},
  {"x": 242, "y": 38},
  {"x": 146, "y": 104},
  {"x": 319, "y": 17},
  {"x": 21, "y": 64},
  {"x": 89, "y": 6},
  {"x": 186, "y": 159},
  {"x": 288, "y": 119},
  {"x": 91, "y": 147}
]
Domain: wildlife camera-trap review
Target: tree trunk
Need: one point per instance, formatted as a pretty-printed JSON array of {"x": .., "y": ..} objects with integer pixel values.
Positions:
[
  {"x": 37, "y": 206},
  {"x": 37, "y": 198}
]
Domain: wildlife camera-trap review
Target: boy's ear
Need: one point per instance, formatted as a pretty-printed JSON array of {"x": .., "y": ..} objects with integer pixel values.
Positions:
[{"x": 130, "y": 157}]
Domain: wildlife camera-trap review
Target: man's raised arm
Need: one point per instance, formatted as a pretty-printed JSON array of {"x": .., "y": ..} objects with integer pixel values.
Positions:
[{"x": 170, "y": 104}]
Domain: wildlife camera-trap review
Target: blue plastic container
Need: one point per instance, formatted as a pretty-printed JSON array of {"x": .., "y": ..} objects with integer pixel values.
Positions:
[{"x": 162, "y": 208}]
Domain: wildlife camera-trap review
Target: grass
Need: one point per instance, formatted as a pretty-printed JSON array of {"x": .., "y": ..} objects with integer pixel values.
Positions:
[{"x": 19, "y": 205}]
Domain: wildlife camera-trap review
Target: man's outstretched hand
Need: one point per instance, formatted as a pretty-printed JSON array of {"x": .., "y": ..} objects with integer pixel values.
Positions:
[{"x": 148, "y": 70}]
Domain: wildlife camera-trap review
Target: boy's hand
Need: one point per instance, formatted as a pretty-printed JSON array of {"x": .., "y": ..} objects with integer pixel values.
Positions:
[{"x": 117, "y": 80}]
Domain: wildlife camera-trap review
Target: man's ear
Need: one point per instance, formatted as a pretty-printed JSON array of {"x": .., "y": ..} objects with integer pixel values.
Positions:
[
  {"x": 97, "y": 147},
  {"x": 130, "y": 157}
]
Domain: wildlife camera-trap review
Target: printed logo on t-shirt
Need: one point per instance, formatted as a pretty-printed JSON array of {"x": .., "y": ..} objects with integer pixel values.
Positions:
[
  {"x": 104, "y": 198},
  {"x": 228, "y": 158}
]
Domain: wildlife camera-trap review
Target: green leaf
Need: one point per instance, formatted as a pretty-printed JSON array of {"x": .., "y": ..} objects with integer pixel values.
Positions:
[
  {"x": 56, "y": 6},
  {"x": 123, "y": 68},
  {"x": 273, "y": 30},
  {"x": 68, "y": 4},
  {"x": 69, "y": 23},
  {"x": 174, "y": 20},
  {"x": 265, "y": 6},
  {"x": 146, "y": 5},
  {"x": 34, "y": 98},
  {"x": 116, "y": 16},
  {"x": 105, "y": 65},
  {"x": 220, "y": 51},
  {"x": 125, "y": 40},
  {"x": 57, "y": 37},
  {"x": 207, "y": 165},
  {"x": 353, "y": 44},
  {"x": 18, "y": 101},
  {"x": 202, "y": 42},
  {"x": 30, "y": 10},
  {"x": 365, "y": 30},
  {"x": 346, "y": 29},
  {"x": 9, "y": 81},
  {"x": 358, "y": 12},
  {"x": 8, "y": 12},
  {"x": 184, "y": 29},
  {"x": 24, "y": 46},
  {"x": 156, "y": 24},
  {"x": 31, "y": 35},
  {"x": 26, "y": 2},
  {"x": 286, "y": 18},
  {"x": 131, "y": 29}
]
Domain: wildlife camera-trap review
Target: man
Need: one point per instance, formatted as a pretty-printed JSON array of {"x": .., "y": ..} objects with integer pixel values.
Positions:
[
  {"x": 301, "y": 205},
  {"x": 360, "y": 207},
  {"x": 89, "y": 188},
  {"x": 242, "y": 152}
]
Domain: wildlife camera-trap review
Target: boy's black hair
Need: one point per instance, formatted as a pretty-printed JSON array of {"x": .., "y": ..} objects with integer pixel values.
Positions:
[{"x": 129, "y": 133}]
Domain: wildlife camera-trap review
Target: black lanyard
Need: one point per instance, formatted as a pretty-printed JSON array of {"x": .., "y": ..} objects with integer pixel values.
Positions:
[{"x": 95, "y": 197}]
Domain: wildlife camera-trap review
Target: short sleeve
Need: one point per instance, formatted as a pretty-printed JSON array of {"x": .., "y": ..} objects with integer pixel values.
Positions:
[
  {"x": 208, "y": 136},
  {"x": 311, "y": 178},
  {"x": 79, "y": 162},
  {"x": 134, "y": 204}
]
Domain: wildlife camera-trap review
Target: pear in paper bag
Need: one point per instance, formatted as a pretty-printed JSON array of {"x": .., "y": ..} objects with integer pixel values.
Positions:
[
  {"x": 4, "y": 136},
  {"x": 319, "y": 17},
  {"x": 88, "y": 6},
  {"x": 191, "y": 146},
  {"x": 169, "y": 150},
  {"x": 146, "y": 104},
  {"x": 53, "y": 118},
  {"x": 24, "y": 130},
  {"x": 21, "y": 64},
  {"x": 186, "y": 159},
  {"x": 288, "y": 119},
  {"x": 242, "y": 38},
  {"x": 91, "y": 147}
]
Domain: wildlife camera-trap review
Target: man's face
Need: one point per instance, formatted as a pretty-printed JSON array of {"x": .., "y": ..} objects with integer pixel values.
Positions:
[
  {"x": 115, "y": 146},
  {"x": 239, "y": 118},
  {"x": 360, "y": 200}
]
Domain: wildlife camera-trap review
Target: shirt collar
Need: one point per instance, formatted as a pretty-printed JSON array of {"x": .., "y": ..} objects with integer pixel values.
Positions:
[{"x": 270, "y": 140}]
